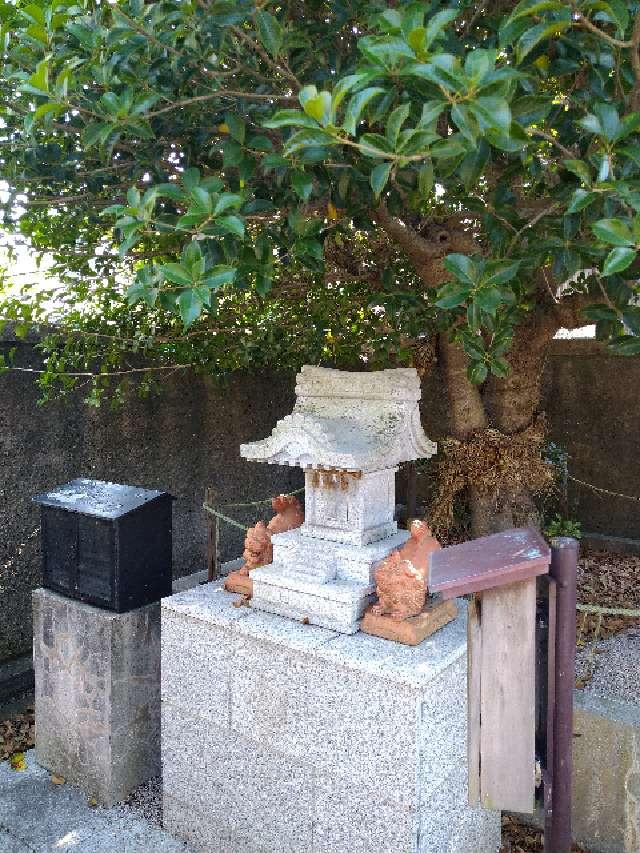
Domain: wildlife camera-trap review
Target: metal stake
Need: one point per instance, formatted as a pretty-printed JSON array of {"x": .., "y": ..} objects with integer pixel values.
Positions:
[{"x": 564, "y": 565}]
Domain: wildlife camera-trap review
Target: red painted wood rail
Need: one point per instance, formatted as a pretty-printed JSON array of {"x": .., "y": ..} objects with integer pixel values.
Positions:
[{"x": 489, "y": 562}]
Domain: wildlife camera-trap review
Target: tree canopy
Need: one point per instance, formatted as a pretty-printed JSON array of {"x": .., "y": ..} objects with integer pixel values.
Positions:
[{"x": 229, "y": 182}]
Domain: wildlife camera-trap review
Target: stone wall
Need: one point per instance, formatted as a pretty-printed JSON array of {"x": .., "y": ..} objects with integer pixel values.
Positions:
[{"x": 188, "y": 438}]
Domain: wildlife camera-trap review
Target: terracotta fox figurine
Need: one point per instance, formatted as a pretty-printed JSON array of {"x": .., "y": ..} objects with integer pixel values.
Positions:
[
  {"x": 402, "y": 579},
  {"x": 258, "y": 550}
]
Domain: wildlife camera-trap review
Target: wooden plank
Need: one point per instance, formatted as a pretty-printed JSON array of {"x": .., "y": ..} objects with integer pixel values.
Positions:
[
  {"x": 507, "y": 706},
  {"x": 488, "y": 562},
  {"x": 213, "y": 567},
  {"x": 474, "y": 652}
]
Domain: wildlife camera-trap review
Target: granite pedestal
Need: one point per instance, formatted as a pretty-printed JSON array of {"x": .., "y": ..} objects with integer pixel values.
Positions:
[
  {"x": 97, "y": 694},
  {"x": 280, "y": 736}
]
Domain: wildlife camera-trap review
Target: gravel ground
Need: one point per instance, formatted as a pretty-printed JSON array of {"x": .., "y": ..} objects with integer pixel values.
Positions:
[
  {"x": 147, "y": 801},
  {"x": 611, "y": 667}
]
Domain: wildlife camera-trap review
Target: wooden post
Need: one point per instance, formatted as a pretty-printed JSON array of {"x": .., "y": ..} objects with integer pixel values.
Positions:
[
  {"x": 501, "y": 571},
  {"x": 213, "y": 561},
  {"x": 412, "y": 492}
]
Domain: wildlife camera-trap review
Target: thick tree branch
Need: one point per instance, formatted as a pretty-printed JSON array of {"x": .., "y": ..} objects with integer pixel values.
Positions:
[{"x": 418, "y": 250}]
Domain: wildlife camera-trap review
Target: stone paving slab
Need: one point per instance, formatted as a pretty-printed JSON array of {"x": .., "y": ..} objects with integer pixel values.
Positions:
[{"x": 37, "y": 816}]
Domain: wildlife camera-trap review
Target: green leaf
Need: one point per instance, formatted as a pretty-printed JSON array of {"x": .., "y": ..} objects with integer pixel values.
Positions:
[
  {"x": 536, "y": 35},
  {"x": 202, "y": 199},
  {"x": 618, "y": 259},
  {"x": 39, "y": 80},
  {"x": 431, "y": 112},
  {"x": 609, "y": 120},
  {"x": 226, "y": 201},
  {"x": 449, "y": 148},
  {"x": 626, "y": 345},
  {"x": 232, "y": 153},
  {"x": 237, "y": 127},
  {"x": 426, "y": 180},
  {"x": 319, "y": 107},
  {"x": 346, "y": 85},
  {"x": 191, "y": 178},
  {"x": 232, "y": 224},
  {"x": 96, "y": 133},
  {"x": 177, "y": 274},
  {"x": 308, "y": 139},
  {"x": 356, "y": 107},
  {"x": 462, "y": 268},
  {"x": 437, "y": 23},
  {"x": 501, "y": 272},
  {"x": 452, "y": 295},
  {"x": 219, "y": 276},
  {"x": 395, "y": 122},
  {"x": 302, "y": 183},
  {"x": 591, "y": 123},
  {"x": 579, "y": 168},
  {"x": 269, "y": 31},
  {"x": 190, "y": 305},
  {"x": 580, "y": 200},
  {"x": 465, "y": 122},
  {"x": 601, "y": 313},
  {"x": 477, "y": 371},
  {"x": 616, "y": 232},
  {"x": 615, "y": 10},
  {"x": 290, "y": 118},
  {"x": 534, "y": 7},
  {"x": 488, "y": 299},
  {"x": 493, "y": 112},
  {"x": 379, "y": 178}
]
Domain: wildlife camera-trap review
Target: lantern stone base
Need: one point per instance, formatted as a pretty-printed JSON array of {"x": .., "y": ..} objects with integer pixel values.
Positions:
[
  {"x": 289, "y": 737},
  {"x": 97, "y": 694}
]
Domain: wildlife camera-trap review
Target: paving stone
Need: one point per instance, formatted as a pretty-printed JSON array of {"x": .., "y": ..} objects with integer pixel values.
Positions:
[
  {"x": 97, "y": 694},
  {"x": 38, "y": 816}
]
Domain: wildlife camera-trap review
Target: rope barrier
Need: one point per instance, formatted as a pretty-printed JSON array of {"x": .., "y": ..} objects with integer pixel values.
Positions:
[
  {"x": 603, "y": 491},
  {"x": 263, "y": 502},
  {"x": 225, "y": 518},
  {"x": 220, "y": 516},
  {"x": 607, "y": 611}
]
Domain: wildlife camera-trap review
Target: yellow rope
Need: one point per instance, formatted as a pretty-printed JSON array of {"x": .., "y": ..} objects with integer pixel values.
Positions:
[
  {"x": 603, "y": 491},
  {"x": 607, "y": 611}
]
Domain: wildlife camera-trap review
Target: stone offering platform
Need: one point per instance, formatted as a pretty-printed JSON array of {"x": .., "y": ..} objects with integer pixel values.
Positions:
[
  {"x": 97, "y": 694},
  {"x": 279, "y": 736}
]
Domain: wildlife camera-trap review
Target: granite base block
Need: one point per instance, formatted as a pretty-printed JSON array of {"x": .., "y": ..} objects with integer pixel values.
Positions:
[
  {"x": 97, "y": 694},
  {"x": 315, "y": 741}
]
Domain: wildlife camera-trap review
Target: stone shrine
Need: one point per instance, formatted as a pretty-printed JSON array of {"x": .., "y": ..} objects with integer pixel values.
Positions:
[{"x": 349, "y": 432}]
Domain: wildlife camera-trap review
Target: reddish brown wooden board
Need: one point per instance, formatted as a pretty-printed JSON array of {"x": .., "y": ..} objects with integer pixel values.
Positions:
[{"x": 489, "y": 562}]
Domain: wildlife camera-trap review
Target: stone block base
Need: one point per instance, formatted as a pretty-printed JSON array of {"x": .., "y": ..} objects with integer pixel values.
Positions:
[
  {"x": 414, "y": 629},
  {"x": 97, "y": 694},
  {"x": 279, "y": 736}
]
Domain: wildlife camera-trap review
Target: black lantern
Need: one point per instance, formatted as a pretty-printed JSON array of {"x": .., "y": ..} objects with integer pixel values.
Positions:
[{"x": 107, "y": 544}]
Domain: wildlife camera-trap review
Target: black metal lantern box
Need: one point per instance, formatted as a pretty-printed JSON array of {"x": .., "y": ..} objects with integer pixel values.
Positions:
[{"x": 107, "y": 544}]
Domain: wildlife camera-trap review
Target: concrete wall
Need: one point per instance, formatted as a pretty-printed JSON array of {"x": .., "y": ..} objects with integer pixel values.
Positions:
[
  {"x": 183, "y": 441},
  {"x": 593, "y": 405},
  {"x": 188, "y": 438}
]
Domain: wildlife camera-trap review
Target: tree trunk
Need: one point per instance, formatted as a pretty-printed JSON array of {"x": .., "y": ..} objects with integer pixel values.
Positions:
[{"x": 509, "y": 405}]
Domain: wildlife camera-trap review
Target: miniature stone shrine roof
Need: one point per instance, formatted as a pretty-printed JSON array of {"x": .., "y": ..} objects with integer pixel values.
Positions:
[{"x": 349, "y": 421}]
